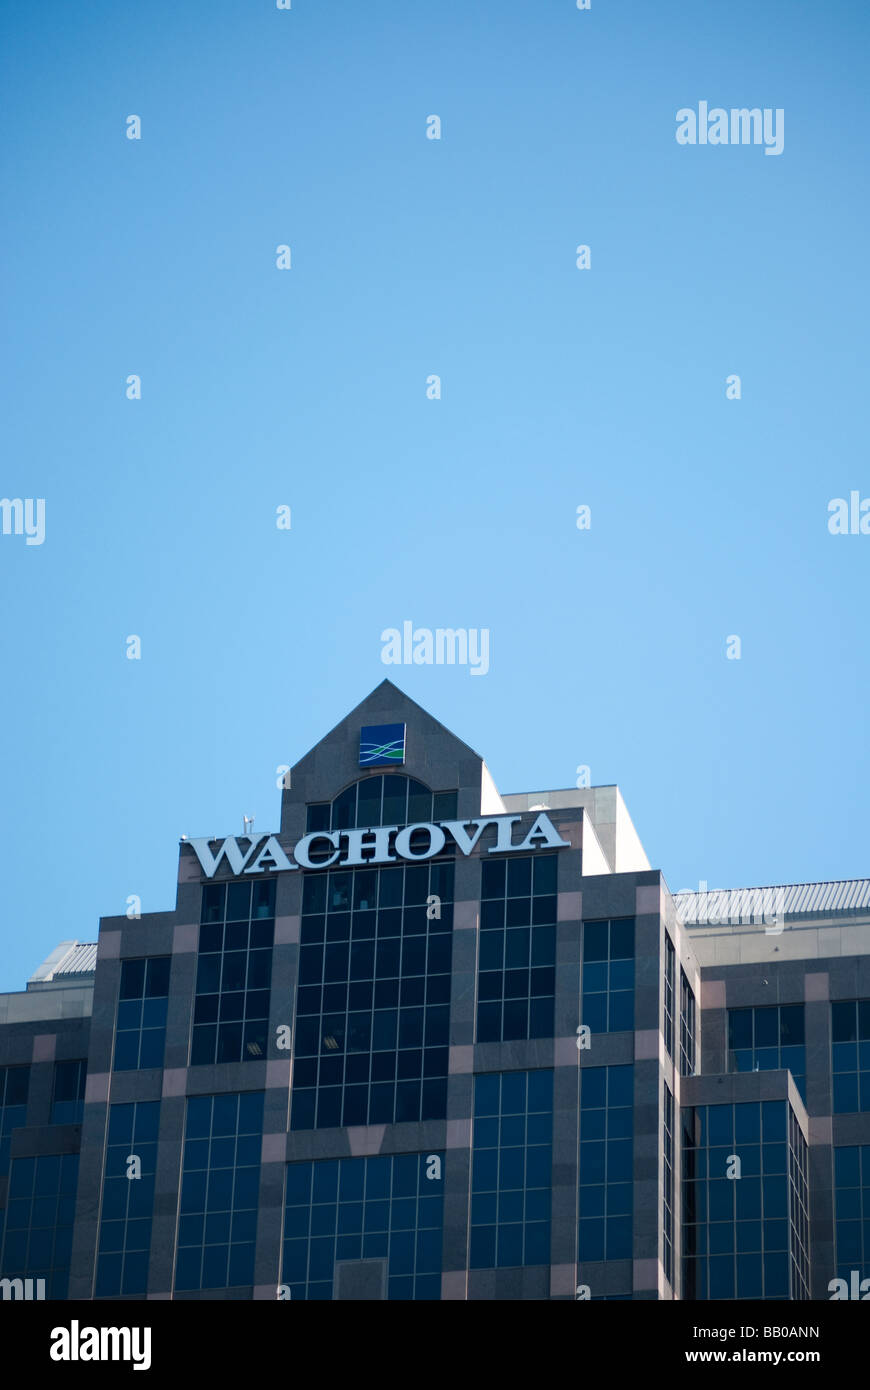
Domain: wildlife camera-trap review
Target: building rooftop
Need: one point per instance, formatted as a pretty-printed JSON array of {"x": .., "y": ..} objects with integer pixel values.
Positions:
[
  {"x": 720, "y": 906},
  {"x": 71, "y": 962}
]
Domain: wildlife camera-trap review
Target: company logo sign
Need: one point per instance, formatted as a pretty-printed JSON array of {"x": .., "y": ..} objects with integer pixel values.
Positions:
[
  {"x": 382, "y": 745},
  {"x": 379, "y": 844}
]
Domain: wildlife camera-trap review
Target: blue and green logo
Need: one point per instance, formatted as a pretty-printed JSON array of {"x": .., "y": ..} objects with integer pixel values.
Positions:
[{"x": 382, "y": 745}]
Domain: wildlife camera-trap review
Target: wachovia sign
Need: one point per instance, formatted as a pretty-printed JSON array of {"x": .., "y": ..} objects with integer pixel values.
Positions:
[{"x": 379, "y": 844}]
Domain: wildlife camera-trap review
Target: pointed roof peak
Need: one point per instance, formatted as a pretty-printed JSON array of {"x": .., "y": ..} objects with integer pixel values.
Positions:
[{"x": 388, "y": 703}]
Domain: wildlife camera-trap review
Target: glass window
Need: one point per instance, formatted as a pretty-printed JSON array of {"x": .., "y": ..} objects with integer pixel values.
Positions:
[
  {"x": 219, "y": 1191},
  {"x": 69, "y": 1092},
  {"x": 14, "y": 1085},
  {"x": 142, "y": 1008},
  {"x": 767, "y": 1038},
  {"x": 127, "y": 1207},
  {"x": 850, "y": 1026},
  {"x": 742, "y": 1239},
  {"x": 511, "y": 1169},
  {"x": 605, "y": 1163},
  {"x": 233, "y": 979},
  {"x": 687, "y": 1027},
  {"x": 37, "y": 1241},
  {"x": 670, "y": 978},
  {"x": 668, "y": 1194},
  {"x": 387, "y": 1208},
  {"x": 608, "y": 975},
  {"x": 373, "y": 1003},
  {"x": 382, "y": 799},
  {"x": 516, "y": 982}
]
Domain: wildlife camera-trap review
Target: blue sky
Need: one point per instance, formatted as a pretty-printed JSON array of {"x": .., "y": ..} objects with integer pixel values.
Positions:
[{"x": 307, "y": 387}]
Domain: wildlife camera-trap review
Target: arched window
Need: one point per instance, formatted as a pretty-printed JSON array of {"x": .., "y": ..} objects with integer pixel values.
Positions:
[{"x": 391, "y": 799}]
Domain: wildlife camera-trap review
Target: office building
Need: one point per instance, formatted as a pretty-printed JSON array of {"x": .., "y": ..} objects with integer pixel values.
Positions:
[{"x": 428, "y": 1040}]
